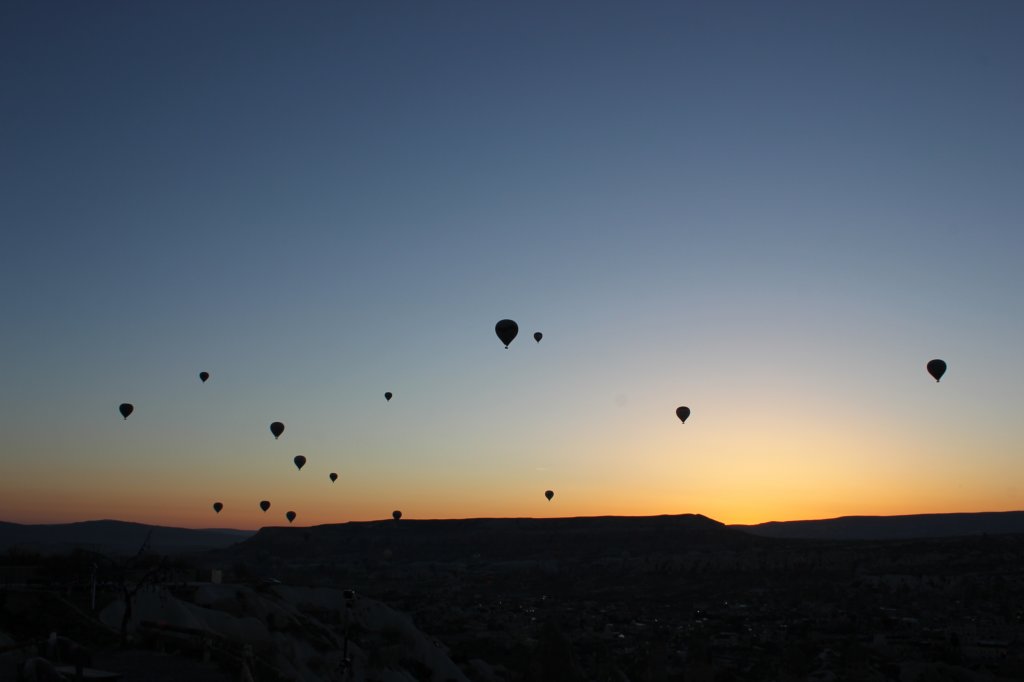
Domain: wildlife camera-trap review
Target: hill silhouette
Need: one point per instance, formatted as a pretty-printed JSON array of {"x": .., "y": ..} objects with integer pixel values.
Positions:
[
  {"x": 498, "y": 539},
  {"x": 114, "y": 537},
  {"x": 911, "y": 526}
]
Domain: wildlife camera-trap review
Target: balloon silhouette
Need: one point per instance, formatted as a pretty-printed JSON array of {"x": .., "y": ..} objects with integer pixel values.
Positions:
[
  {"x": 537, "y": 336},
  {"x": 936, "y": 368},
  {"x": 217, "y": 506},
  {"x": 300, "y": 462},
  {"x": 387, "y": 396},
  {"x": 277, "y": 428},
  {"x": 264, "y": 505},
  {"x": 506, "y": 331},
  {"x": 203, "y": 376},
  {"x": 682, "y": 413},
  {"x": 290, "y": 516},
  {"x": 126, "y": 409},
  {"x": 334, "y": 477},
  {"x": 396, "y": 515},
  {"x": 549, "y": 494}
]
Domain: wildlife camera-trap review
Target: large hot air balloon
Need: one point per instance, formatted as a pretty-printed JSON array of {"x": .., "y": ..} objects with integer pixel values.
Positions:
[
  {"x": 290, "y": 516},
  {"x": 264, "y": 505},
  {"x": 334, "y": 477},
  {"x": 300, "y": 462},
  {"x": 203, "y": 376},
  {"x": 217, "y": 506},
  {"x": 277, "y": 428},
  {"x": 126, "y": 409},
  {"x": 387, "y": 396},
  {"x": 396, "y": 515},
  {"x": 549, "y": 494},
  {"x": 506, "y": 331},
  {"x": 537, "y": 336},
  {"x": 936, "y": 368},
  {"x": 682, "y": 413}
]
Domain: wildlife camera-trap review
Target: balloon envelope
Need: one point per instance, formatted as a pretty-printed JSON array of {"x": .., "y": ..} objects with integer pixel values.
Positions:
[
  {"x": 277, "y": 428},
  {"x": 537, "y": 336},
  {"x": 506, "y": 331},
  {"x": 682, "y": 413},
  {"x": 396, "y": 515},
  {"x": 217, "y": 506},
  {"x": 300, "y": 462},
  {"x": 549, "y": 494},
  {"x": 387, "y": 396},
  {"x": 264, "y": 505},
  {"x": 125, "y": 409},
  {"x": 203, "y": 376},
  {"x": 290, "y": 516},
  {"x": 936, "y": 368},
  {"x": 334, "y": 477}
]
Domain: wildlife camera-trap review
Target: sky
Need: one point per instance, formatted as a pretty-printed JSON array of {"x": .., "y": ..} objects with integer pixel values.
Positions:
[{"x": 772, "y": 213}]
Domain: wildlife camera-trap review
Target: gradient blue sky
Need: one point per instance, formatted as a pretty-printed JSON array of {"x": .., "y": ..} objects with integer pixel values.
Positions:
[{"x": 773, "y": 212}]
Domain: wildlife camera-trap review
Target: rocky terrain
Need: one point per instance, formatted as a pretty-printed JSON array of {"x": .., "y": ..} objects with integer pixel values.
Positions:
[{"x": 647, "y": 599}]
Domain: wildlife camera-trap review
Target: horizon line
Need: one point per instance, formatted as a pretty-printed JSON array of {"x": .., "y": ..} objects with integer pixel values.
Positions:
[{"x": 519, "y": 518}]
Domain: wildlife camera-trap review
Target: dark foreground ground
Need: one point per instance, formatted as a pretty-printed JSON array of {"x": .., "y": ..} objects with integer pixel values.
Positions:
[{"x": 680, "y": 598}]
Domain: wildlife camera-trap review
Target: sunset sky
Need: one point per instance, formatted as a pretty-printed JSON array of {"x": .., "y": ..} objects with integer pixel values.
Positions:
[{"x": 774, "y": 213}]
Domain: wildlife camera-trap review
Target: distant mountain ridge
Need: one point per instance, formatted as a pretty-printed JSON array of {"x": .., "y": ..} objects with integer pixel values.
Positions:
[
  {"x": 499, "y": 538},
  {"x": 906, "y": 527},
  {"x": 114, "y": 537}
]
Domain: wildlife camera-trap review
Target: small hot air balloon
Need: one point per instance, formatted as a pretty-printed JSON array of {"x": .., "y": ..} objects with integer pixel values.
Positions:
[
  {"x": 290, "y": 516},
  {"x": 300, "y": 462},
  {"x": 682, "y": 413},
  {"x": 396, "y": 515},
  {"x": 126, "y": 409},
  {"x": 203, "y": 376},
  {"x": 936, "y": 368},
  {"x": 217, "y": 506},
  {"x": 506, "y": 331},
  {"x": 387, "y": 396},
  {"x": 264, "y": 505},
  {"x": 549, "y": 494},
  {"x": 537, "y": 336},
  {"x": 277, "y": 428},
  {"x": 334, "y": 477}
]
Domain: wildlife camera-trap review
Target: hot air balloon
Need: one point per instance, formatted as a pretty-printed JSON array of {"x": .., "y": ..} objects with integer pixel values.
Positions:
[
  {"x": 537, "y": 336},
  {"x": 334, "y": 477},
  {"x": 396, "y": 515},
  {"x": 125, "y": 409},
  {"x": 506, "y": 331},
  {"x": 300, "y": 462},
  {"x": 387, "y": 396},
  {"x": 203, "y": 376},
  {"x": 682, "y": 413},
  {"x": 264, "y": 505},
  {"x": 290, "y": 516},
  {"x": 936, "y": 368},
  {"x": 549, "y": 494},
  {"x": 277, "y": 428},
  {"x": 217, "y": 506}
]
